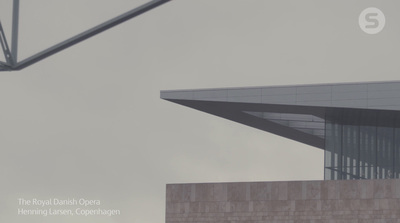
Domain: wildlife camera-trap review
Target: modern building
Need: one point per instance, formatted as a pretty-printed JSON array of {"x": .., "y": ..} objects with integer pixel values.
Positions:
[{"x": 356, "y": 124}]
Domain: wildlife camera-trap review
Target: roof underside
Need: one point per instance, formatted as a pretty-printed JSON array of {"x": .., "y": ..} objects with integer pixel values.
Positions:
[{"x": 295, "y": 112}]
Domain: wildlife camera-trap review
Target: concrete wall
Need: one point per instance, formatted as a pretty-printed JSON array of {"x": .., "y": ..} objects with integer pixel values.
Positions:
[{"x": 295, "y": 202}]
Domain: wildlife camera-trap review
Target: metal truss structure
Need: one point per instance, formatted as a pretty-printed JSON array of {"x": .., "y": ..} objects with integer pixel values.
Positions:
[{"x": 11, "y": 55}]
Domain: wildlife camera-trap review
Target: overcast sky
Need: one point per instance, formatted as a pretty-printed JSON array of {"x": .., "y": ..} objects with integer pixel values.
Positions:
[{"x": 88, "y": 122}]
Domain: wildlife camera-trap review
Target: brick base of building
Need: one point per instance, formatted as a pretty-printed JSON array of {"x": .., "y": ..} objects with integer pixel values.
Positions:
[{"x": 345, "y": 201}]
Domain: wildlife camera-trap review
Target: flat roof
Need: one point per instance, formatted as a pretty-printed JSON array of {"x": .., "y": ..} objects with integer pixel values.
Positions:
[{"x": 296, "y": 112}]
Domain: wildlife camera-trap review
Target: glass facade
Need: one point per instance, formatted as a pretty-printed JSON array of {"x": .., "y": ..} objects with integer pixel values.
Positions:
[{"x": 362, "y": 144}]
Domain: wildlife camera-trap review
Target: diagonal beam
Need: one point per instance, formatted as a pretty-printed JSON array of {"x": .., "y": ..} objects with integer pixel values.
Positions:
[
  {"x": 4, "y": 46},
  {"x": 89, "y": 33}
]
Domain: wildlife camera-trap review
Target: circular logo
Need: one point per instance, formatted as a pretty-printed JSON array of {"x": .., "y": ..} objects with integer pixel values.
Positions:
[{"x": 372, "y": 20}]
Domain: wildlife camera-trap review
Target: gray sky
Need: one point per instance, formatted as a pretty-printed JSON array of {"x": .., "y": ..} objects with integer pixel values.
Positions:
[{"x": 88, "y": 122}]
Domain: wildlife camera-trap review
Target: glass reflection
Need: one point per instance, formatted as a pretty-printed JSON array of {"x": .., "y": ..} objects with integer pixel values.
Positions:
[{"x": 362, "y": 144}]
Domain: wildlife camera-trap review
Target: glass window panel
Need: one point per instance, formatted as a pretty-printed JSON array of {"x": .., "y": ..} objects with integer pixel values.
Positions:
[
  {"x": 350, "y": 150},
  {"x": 333, "y": 145},
  {"x": 384, "y": 152},
  {"x": 362, "y": 144},
  {"x": 396, "y": 152},
  {"x": 367, "y": 152}
]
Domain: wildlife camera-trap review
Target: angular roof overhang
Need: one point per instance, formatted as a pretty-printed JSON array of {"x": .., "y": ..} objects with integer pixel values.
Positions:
[{"x": 295, "y": 112}]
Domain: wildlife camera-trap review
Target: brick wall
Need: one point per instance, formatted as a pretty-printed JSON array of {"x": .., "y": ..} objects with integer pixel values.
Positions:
[{"x": 375, "y": 201}]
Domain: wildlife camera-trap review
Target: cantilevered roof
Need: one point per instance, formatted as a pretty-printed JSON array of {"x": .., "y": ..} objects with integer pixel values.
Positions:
[{"x": 296, "y": 112}]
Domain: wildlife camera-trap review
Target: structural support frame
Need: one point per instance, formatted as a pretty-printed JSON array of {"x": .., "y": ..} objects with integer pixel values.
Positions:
[
  {"x": 13, "y": 63},
  {"x": 15, "y": 27}
]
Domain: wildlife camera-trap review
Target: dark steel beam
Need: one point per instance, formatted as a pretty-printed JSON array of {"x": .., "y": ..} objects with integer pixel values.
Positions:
[
  {"x": 89, "y": 33},
  {"x": 4, "y": 46},
  {"x": 14, "y": 34}
]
